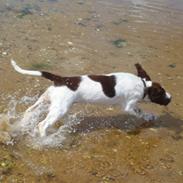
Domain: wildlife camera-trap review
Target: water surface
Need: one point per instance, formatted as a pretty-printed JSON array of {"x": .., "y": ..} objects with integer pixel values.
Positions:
[{"x": 92, "y": 37}]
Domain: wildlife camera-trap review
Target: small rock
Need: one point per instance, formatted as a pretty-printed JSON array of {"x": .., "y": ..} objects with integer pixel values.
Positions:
[
  {"x": 3, "y": 164},
  {"x": 4, "y": 53},
  {"x": 153, "y": 129},
  {"x": 80, "y": 2},
  {"x": 172, "y": 65},
  {"x": 80, "y": 19},
  {"x": 110, "y": 109},
  {"x": 129, "y": 53},
  {"x": 70, "y": 43},
  {"x": 119, "y": 43},
  {"x": 128, "y": 137},
  {"x": 180, "y": 173}
]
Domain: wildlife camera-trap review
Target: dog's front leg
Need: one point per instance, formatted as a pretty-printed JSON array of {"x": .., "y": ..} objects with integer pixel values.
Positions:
[
  {"x": 146, "y": 116},
  {"x": 131, "y": 108}
]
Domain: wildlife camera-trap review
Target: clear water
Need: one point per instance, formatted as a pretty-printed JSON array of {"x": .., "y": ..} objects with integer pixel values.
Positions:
[{"x": 91, "y": 143}]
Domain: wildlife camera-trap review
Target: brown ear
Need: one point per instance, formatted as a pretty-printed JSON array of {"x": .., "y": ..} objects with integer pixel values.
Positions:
[{"x": 141, "y": 72}]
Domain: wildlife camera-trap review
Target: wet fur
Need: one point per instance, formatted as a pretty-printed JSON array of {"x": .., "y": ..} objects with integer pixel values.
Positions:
[{"x": 123, "y": 89}]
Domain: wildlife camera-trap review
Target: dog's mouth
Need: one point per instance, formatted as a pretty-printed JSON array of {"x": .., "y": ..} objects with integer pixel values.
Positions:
[
  {"x": 167, "y": 101},
  {"x": 162, "y": 101}
]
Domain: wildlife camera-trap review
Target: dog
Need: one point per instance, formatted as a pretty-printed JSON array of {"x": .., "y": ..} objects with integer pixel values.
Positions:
[{"x": 123, "y": 89}]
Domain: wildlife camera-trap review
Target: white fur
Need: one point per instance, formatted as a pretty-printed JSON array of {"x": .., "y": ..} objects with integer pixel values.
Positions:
[
  {"x": 22, "y": 71},
  {"x": 129, "y": 91},
  {"x": 168, "y": 95}
]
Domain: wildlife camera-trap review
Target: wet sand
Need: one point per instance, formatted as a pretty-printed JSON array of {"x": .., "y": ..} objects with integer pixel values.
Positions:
[{"x": 91, "y": 37}]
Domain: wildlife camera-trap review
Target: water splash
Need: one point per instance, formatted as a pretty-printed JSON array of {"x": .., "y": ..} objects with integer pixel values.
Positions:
[
  {"x": 57, "y": 137},
  {"x": 6, "y": 123},
  {"x": 19, "y": 126}
]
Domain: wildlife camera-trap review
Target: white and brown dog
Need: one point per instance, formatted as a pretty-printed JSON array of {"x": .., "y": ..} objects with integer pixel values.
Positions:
[{"x": 123, "y": 89}]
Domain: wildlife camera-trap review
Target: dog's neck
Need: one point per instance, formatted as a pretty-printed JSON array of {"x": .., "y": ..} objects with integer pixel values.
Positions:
[
  {"x": 145, "y": 88},
  {"x": 146, "y": 84}
]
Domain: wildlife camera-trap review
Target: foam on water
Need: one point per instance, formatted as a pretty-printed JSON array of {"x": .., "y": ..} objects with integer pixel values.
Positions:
[
  {"x": 56, "y": 137},
  {"x": 19, "y": 126}
]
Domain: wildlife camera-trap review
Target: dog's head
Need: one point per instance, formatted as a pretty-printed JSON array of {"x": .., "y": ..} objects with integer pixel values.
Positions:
[{"x": 154, "y": 90}]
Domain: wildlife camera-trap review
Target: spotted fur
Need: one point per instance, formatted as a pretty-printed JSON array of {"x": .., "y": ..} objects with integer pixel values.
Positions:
[{"x": 123, "y": 89}]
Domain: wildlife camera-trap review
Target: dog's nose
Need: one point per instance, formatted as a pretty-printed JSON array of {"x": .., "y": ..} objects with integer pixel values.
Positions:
[
  {"x": 170, "y": 98},
  {"x": 168, "y": 95},
  {"x": 167, "y": 101}
]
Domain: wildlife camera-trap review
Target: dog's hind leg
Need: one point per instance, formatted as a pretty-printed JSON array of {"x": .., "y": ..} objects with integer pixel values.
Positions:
[
  {"x": 53, "y": 116},
  {"x": 42, "y": 99},
  {"x": 31, "y": 115},
  {"x": 60, "y": 103}
]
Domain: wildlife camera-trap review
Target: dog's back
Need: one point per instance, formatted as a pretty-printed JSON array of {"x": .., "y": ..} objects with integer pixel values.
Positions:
[{"x": 112, "y": 88}]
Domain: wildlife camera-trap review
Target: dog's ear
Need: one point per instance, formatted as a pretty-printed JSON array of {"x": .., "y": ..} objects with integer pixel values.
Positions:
[{"x": 141, "y": 72}]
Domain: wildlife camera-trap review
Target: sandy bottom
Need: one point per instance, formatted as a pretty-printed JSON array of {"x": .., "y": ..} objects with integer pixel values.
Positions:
[{"x": 90, "y": 37}]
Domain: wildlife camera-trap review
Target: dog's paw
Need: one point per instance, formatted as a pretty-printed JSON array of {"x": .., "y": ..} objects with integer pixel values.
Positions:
[{"x": 150, "y": 117}]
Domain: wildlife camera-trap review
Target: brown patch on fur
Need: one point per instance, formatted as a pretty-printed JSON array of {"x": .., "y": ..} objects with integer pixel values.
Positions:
[
  {"x": 108, "y": 83},
  {"x": 141, "y": 72},
  {"x": 71, "y": 82}
]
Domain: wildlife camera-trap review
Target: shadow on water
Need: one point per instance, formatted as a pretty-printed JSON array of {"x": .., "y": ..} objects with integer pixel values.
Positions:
[
  {"x": 130, "y": 124},
  {"x": 171, "y": 123}
]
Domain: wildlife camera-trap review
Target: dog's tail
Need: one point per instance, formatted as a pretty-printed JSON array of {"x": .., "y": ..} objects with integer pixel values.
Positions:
[
  {"x": 44, "y": 74},
  {"x": 23, "y": 71}
]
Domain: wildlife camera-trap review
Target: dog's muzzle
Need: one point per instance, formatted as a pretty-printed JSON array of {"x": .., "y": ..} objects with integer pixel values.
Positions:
[{"x": 167, "y": 99}]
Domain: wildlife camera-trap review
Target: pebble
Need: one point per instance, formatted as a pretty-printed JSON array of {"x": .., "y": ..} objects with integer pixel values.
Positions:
[
  {"x": 115, "y": 150},
  {"x": 129, "y": 53},
  {"x": 80, "y": 19},
  {"x": 180, "y": 172},
  {"x": 170, "y": 78},
  {"x": 3, "y": 164},
  {"x": 153, "y": 129},
  {"x": 110, "y": 109},
  {"x": 4, "y": 53},
  {"x": 128, "y": 137},
  {"x": 70, "y": 43}
]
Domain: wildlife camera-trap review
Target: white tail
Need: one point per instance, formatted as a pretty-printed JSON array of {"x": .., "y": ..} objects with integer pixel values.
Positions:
[{"x": 22, "y": 71}]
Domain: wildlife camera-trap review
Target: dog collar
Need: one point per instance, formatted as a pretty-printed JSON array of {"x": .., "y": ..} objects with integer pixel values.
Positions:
[{"x": 145, "y": 88}]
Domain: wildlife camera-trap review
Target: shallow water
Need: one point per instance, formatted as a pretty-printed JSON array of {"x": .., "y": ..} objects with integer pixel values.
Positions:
[{"x": 85, "y": 37}]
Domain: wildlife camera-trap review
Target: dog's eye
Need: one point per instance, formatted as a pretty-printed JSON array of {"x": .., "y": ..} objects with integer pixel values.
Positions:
[
  {"x": 159, "y": 94},
  {"x": 162, "y": 92}
]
